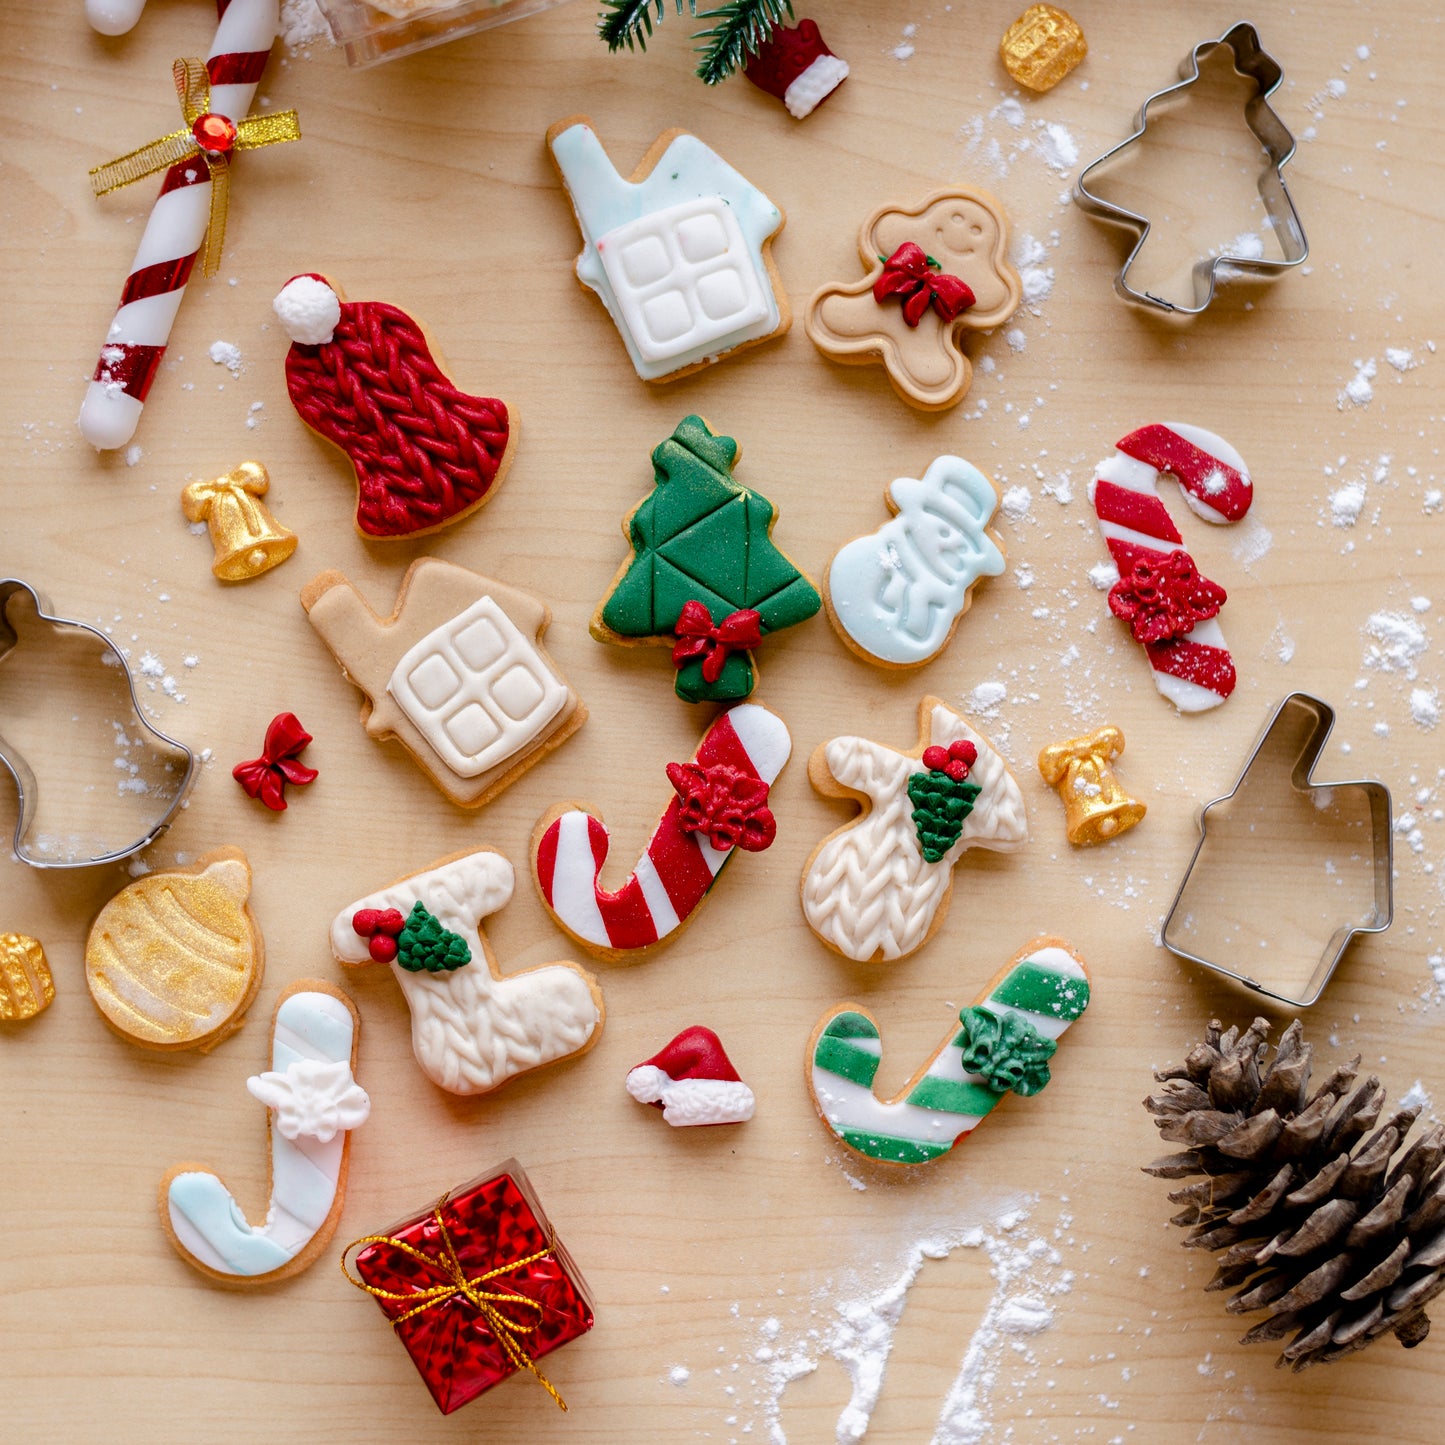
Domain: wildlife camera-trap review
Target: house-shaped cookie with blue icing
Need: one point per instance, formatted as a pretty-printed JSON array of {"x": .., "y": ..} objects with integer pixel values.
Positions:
[{"x": 679, "y": 253}]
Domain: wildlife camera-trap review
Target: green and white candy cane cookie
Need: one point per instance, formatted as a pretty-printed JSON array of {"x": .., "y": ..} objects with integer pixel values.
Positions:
[{"x": 1004, "y": 1044}]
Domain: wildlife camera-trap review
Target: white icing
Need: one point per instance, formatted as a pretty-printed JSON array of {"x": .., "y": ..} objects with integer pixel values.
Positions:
[
  {"x": 317, "y": 1103},
  {"x": 113, "y": 17},
  {"x": 817, "y": 82},
  {"x": 689, "y": 196},
  {"x": 309, "y": 310},
  {"x": 898, "y": 592},
  {"x": 868, "y": 891},
  {"x": 689, "y": 1102},
  {"x": 477, "y": 689},
  {"x": 472, "y": 1030}
]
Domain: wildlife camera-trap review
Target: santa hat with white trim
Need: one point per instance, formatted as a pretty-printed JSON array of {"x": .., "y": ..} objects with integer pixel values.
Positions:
[
  {"x": 797, "y": 67},
  {"x": 692, "y": 1081}
]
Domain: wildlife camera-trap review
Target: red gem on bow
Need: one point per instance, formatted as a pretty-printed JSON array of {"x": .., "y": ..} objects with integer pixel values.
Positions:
[
  {"x": 1162, "y": 597},
  {"x": 215, "y": 134},
  {"x": 266, "y": 777},
  {"x": 724, "y": 802},
  {"x": 697, "y": 637},
  {"x": 913, "y": 276},
  {"x": 955, "y": 760},
  {"x": 380, "y": 927}
]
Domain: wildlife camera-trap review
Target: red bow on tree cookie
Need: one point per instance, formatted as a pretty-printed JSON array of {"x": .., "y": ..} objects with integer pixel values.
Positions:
[
  {"x": 266, "y": 777},
  {"x": 913, "y": 276},
  {"x": 725, "y": 803},
  {"x": 1161, "y": 598},
  {"x": 697, "y": 637}
]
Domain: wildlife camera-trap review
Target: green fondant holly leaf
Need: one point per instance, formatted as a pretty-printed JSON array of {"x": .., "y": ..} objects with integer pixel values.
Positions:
[
  {"x": 425, "y": 945},
  {"x": 940, "y": 805},
  {"x": 702, "y": 537}
]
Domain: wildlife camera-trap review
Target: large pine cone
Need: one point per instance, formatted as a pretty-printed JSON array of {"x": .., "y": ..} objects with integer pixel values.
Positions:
[{"x": 1339, "y": 1236}]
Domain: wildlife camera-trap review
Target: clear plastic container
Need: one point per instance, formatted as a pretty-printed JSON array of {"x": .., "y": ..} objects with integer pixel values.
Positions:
[{"x": 370, "y": 36}]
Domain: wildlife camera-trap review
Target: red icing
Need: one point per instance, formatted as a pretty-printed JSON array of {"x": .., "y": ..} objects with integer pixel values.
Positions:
[
  {"x": 785, "y": 55},
  {"x": 424, "y": 452},
  {"x": 696, "y": 1052},
  {"x": 725, "y": 803},
  {"x": 1136, "y": 510},
  {"x": 911, "y": 276},
  {"x": 955, "y": 760},
  {"x": 266, "y": 777},
  {"x": 1162, "y": 596},
  {"x": 697, "y": 637},
  {"x": 489, "y": 1222},
  {"x": 1214, "y": 482},
  {"x": 380, "y": 926},
  {"x": 1209, "y": 667}
]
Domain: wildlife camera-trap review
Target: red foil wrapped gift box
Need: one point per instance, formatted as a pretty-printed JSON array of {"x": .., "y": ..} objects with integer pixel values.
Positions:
[{"x": 477, "y": 1286}]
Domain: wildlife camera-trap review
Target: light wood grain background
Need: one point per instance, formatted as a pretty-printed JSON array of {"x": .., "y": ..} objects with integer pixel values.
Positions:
[{"x": 425, "y": 183}]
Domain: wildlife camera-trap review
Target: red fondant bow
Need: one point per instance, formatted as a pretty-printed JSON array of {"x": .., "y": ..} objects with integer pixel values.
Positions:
[
  {"x": 697, "y": 637},
  {"x": 725, "y": 803},
  {"x": 913, "y": 276},
  {"x": 266, "y": 777},
  {"x": 1161, "y": 598}
]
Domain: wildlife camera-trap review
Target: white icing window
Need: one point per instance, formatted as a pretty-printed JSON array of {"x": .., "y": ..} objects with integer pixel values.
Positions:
[
  {"x": 477, "y": 689},
  {"x": 682, "y": 277}
]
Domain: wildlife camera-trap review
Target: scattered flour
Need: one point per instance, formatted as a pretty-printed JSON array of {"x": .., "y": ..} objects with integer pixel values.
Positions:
[
  {"x": 133, "y": 454},
  {"x": 1358, "y": 389},
  {"x": 1425, "y": 707},
  {"x": 905, "y": 51},
  {"x": 1010, "y": 112},
  {"x": 1103, "y": 575},
  {"x": 1016, "y": 503},
  {"x": 1038, "y": 279},
  {"x": 1416, "y": 1097},
  {"x": 1058, "y": 147},
  {"x": 1252, "y": 542},
  {"x": 986, "y": 699},
  {"x": 223, "y": 353},
  {"x": 302, "y": 24},
  {"x": 679, "y": 1375},
  {"x": 1400, "y": 358},
  {"x": 1397, "y": 643},
  {"x": 1347, "y": 503}
]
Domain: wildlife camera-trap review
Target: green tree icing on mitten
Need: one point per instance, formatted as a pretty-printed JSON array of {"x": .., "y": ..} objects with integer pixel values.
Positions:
[
  {"x": 942, "y": 797},
  {"x": 425, "y": 945},
  {"x": 702, "y": 537}
]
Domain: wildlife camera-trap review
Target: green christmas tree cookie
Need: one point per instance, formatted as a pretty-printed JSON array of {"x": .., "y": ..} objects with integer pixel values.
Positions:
[{"x": 704, "y": 575}]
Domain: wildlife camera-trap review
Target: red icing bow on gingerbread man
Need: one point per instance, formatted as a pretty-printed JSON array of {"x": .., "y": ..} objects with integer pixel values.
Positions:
[
  {"x": 697, "y": 637},
  {"x": 1161, "y": 598},
  {"x": 913, "y": 276},
  {"x": 725, "y": 803},
  {"x": 266, "y": 777}
]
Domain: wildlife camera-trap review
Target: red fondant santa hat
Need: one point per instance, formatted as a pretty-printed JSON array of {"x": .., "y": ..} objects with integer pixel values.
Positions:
[
  {"x": 798, "y": 68},
  {"x": 692, "y": 1081}
]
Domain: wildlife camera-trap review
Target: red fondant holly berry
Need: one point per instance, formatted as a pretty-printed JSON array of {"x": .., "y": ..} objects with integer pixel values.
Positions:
[
  {"x": 380, "y": 927},
  {"x": 955, "y": 760}
]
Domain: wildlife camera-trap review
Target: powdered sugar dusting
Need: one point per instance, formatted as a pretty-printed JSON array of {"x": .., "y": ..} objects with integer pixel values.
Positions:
[{"x": 1396, "y": 643}]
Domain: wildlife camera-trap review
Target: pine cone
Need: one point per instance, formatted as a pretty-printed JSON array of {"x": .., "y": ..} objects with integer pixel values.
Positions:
[{"x": 1337, "y": 1232}]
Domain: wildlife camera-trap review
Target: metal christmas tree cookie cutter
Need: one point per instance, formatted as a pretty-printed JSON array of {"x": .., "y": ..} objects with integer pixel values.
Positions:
[
  {"x": 26, "y": 787},
  {"x": 1252, "y": 60},
  {"x": 1319, "y": 716}
]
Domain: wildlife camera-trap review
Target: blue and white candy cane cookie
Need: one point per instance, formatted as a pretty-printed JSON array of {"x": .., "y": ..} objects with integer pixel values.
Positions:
[
  {"x": 315, "y": 1103},
  {"x": 1004, "y": 1044}
]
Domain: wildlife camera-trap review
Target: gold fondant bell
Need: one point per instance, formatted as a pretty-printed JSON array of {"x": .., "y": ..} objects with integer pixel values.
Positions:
[
  {"x": 1096, "y": 807},
  {"x": 247, "y": 538}
]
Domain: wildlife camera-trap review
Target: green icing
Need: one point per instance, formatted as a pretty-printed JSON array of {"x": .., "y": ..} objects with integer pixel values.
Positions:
[
  {"x": 1042, "y": 990},
  {"x": 701, "y": 536},
  {"x": 840, "y": 1056},
  {"x": 953, "y": 1096},
  {"x": 425, "y": 945},
  {"x": 1005, "y": 1049},
  {"x": 940, "y": 805},
  {"x": 897, "y": 1151},
  {"x": 850, "y": 1025}
]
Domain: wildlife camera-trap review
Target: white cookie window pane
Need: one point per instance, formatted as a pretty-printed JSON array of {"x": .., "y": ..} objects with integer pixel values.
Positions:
[
  {"x": 645, "y": 261},
  {"x": 701, "y": 238},
  {"x": 517, "y": 692},
  {"x": 480, "y": 644},
  {"x": 722, "y": 294},
  {"x": 667, "y": 316},
  {"x": 434, "y": 681},
  {"x": 471, "y": 729}
]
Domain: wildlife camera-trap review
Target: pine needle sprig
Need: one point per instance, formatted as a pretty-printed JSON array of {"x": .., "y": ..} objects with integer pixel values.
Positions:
[
  {"x": 742, "y": 28},
  {"x": 630, "y": 22}
]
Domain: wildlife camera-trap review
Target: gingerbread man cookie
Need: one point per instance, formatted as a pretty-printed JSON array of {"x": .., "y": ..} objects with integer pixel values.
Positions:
[
  {"x": 936, "y": 271},
  {"x": 456, "y": 674}
]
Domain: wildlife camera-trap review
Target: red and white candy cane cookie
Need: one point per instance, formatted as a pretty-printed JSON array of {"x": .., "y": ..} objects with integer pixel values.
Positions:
[
  {"x": 720, "y": 806},
  {"x": 136, "y": 341},
  {"x": 1169, "y": 607},
  {"x": 362, "y": 375}
]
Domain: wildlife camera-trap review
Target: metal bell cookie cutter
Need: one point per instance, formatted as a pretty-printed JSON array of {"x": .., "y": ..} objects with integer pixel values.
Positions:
[
  {"x": 1320, "y": 718},
  {"x": 19, "y": 769},
  {"x": 1273, "y": 135}
]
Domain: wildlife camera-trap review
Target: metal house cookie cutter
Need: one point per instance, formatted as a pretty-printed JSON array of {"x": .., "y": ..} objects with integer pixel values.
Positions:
[
  {"x": 25, "y": 785},
  {"x": 1251, "y": 60},
  {"x": 1321, "y": 719}
]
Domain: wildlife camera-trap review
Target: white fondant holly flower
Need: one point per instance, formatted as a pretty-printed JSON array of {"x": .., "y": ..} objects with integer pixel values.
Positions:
[{"x": 312, "y": 1099}]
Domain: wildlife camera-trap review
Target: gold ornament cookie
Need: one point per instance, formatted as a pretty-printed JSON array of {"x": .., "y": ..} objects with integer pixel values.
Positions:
[
  {"x": 1042, "y": 46},
  {"x": 175, "y": 958},
  {"x": 26, "y": 988}
]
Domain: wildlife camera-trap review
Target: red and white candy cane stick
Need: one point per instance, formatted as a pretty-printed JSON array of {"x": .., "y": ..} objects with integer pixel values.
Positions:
[
  {"x": 1170, "y": 608},
  {"x": 173, "y": 236},
  {"x": 113, "y": 17}
]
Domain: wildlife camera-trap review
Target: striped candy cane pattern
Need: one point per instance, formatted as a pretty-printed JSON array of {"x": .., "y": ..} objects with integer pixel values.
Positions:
[
  {"x": 678, "y": 868},
  {"x": 1038, "y": 995},
  {"x": 151, "y": 296},
  {"x": 1194, "y": 671},
  {"x": 315, "y": 1103}
]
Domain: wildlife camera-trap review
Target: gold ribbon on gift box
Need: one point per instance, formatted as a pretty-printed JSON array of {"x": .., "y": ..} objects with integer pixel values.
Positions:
[
  {"x": 208, "y": 135},
  {"x": 485, "y": 1302}
]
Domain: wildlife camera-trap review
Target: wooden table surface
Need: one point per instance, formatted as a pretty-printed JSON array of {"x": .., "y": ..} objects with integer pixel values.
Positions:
[{"x": 425, "y": 183}]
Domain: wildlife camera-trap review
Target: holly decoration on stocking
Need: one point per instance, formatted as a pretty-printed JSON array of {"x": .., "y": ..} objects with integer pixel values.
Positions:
[
  {"x": 943, "y": 797},
  {"x": 704, "y": 574},
  {"x": 425, "y": 945},
  {"x": 381, "y": 927}
]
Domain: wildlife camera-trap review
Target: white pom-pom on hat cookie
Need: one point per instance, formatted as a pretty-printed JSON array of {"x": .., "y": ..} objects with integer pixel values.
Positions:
[{"x": 309, "y": 309}]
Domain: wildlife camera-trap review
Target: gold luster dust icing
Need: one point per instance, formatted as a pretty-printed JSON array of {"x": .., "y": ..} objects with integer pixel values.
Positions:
[{"x": 174, "y": 959}]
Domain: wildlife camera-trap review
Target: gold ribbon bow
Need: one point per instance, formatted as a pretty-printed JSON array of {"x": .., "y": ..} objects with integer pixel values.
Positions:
[
  {"x": 213, "y": 137},
  {"x": 459, "y": 1283}
]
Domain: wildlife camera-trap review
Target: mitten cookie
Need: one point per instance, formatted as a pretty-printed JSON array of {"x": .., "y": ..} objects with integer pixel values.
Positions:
[
  {"x": 456, "y": 674},
  {"x": 1004, "y": 1044},
  {"x": 362, "y": 375},
  {"x": 679, "y": 253},
  {"x": 315, "y": 1103},
  {"x": 471, "y": 1028},
  {"x": 878, "y": 887},
  {"x": 935, "y": 271}
]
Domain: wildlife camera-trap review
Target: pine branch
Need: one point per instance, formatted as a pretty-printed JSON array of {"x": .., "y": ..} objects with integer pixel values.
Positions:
[
  {"x": 629, "y": 22},
  {"x": 742, "y": 29}
]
